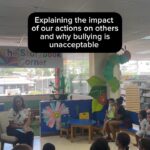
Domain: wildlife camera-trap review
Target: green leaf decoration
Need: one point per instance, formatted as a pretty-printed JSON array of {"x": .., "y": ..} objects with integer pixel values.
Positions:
[
  {"x": 97, "y": 91},
  {"x": 96, "y": 81},
  {"x": 63, "y": 124},
  {"x": 114, "y": 59},
  {"x": 114, "y": 84},
  {"x": 109, "y": 67},
  {"x": 96, "y": 106},
  {"x": 123, "y": 59}
]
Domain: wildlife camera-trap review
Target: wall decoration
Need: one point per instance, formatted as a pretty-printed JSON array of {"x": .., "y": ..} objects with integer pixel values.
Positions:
[
  {"x": 59, "y": 88},
  {"x": 22, "y": 57},
  {"x": 96, "y": 81},
  {"x": 52, "y": 114},
  {"x": 96, "y": 106},
  {"x": 98, "y": 85},
  {"x": 98, "y": 92},
  {"x": 113, "y": 60}
]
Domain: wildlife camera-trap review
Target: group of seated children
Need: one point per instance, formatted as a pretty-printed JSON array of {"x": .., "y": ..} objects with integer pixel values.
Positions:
[
  {"x": 116, "y": 115},
  {"x": 144, "y": 119},
  {"x": 122, "y": 142},
  {"x": 46, "y": 146}
]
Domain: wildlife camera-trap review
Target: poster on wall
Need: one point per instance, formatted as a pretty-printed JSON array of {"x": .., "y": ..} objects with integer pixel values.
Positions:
[
  {"x": 23, "y": 57},
  {"x": 51, "y": 113}
]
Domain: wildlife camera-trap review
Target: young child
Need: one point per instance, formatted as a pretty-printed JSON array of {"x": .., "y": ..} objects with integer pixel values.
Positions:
[
  {"x": 123, "y": 141},
  {"x": 48, "y": 146},
  {"x": 147, "y": 133},
  {"x": 143, "y": 121},
  {"x": 22, "y": 147},
  {"x": 100, "y": 144},
  {"x": 144, "y": 144},
  {"x": 110, "y": 115}
]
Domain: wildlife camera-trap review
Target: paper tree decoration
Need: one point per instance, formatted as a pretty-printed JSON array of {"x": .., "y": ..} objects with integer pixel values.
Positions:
[
  {"x": 98, "y": 92},
  {"x": 107, "y": 72}
]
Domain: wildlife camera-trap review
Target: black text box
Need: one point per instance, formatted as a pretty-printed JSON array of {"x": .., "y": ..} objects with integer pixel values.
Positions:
[{"x": 75, "y": 32}]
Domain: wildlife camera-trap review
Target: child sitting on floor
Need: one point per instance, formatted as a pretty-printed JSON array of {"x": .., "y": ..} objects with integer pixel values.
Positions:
[
  {"x": 123, "y": 141},
  {"x": 147, "y": 133},
  {"x": 100, "y": 144},
  {"x": 144, "y": 144},
  {"x": 48, "y": 146}
]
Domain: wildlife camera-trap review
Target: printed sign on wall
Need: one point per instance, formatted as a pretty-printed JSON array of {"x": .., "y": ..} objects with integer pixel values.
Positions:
[{"x": 22, "y": 57}]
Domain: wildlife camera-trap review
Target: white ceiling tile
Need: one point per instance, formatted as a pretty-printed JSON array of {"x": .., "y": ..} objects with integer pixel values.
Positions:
[{"x": 135, "y": 14}]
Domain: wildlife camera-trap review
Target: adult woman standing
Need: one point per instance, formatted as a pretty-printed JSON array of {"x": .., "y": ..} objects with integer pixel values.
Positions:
[{"x": 19, "y": 122}]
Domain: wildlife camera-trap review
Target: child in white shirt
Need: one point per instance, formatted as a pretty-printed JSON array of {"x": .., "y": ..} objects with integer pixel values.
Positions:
[
  {"x": 143, "y": 125},
  {"x": 147, "y": 134}
]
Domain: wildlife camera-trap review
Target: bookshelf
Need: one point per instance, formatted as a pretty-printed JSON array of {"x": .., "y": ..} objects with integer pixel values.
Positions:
[
  {"x": 133, "y": 102},
  {"x": 138, "y": 89}
]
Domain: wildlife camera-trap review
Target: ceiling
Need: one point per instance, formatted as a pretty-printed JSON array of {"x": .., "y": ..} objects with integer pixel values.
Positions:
[{"x": 135, "y": 14}]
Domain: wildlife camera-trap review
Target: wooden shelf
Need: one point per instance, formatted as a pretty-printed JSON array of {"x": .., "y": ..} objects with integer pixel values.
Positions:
[
  {"x": 143, "y": 88},
  {"x": 145, "y": 96},
  {"x": 133, "y": 98}
]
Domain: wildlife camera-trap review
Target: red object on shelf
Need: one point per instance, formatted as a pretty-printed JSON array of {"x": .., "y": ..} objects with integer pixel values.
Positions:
[{"x": 57, "y": 80}]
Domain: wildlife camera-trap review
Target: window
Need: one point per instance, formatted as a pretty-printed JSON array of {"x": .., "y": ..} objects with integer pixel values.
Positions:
[{"x": 32, "y": 81}]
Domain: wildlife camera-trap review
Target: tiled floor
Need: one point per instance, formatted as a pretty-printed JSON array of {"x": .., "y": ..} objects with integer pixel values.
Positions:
[{"x": 61, "y": 143}]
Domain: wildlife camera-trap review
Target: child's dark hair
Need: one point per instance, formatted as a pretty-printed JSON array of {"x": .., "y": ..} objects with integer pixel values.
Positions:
[
  {"x": 14, "y": 102},
  {"x": 144, "y": 143},
  {"x": 101, "y": 144},
  {"x": 119, "y": 100},
  {"x": 143, "y": 114},
  {"x": 123, "y": 139},
  {"x": 48, "y": 146},
  {"x": 111, "y": 100},
  {"x": 22, "y": 147}
]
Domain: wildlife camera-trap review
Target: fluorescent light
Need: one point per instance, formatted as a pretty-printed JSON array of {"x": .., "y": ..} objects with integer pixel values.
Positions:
[
  {"x": 146, "y": 38},
  {"x": 143, "y": 52}
]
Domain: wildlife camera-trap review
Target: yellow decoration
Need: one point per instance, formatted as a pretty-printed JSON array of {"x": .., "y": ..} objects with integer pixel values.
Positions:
[
  {"x": 57, "y": 114},
  {"x": 84, "y": 115},
  {"x": 96, "y": 106}
]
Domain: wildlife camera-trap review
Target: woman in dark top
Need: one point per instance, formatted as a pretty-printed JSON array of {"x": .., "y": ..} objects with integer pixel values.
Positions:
[{"x": 121, "y": 117}]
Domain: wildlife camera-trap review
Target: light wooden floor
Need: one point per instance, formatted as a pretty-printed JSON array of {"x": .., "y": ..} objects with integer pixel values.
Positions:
[
  {"x": 80, "y": 143},
  {"x": 61, "y": 143},
  {"x": 37, "y": 144}
]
